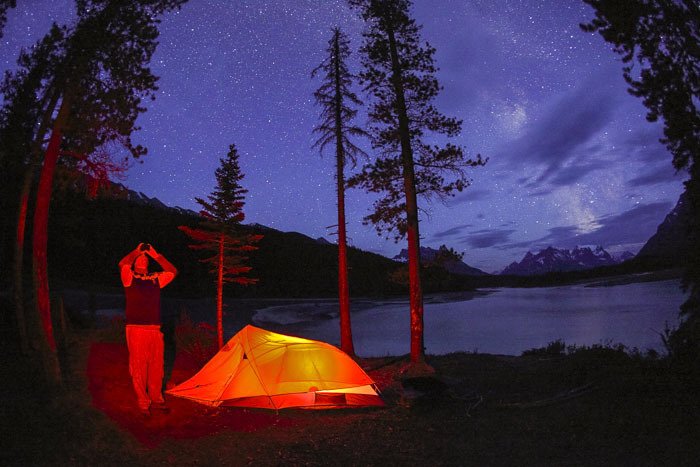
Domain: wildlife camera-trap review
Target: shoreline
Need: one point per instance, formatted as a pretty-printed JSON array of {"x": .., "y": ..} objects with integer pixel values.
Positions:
[{"x": 310, "y": 317}]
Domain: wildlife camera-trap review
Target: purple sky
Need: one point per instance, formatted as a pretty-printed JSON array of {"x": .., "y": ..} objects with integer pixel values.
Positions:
[{"x": 572, "y": 159}]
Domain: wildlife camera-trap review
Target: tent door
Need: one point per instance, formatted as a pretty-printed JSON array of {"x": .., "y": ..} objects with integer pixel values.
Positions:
[{"x": 334, "y": 398}]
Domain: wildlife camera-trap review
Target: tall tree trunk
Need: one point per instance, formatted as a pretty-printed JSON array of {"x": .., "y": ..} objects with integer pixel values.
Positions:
[
  {"x": 220, "y": 295},
  {"x": 18, "y": 286},
  {"x": 346, "y": 343},
  {"x": 409, "y": 183},
  {"x": 40, "y": 243},
  {"x": 18, "y": 260},
  {"x": 41, "y": 222}
]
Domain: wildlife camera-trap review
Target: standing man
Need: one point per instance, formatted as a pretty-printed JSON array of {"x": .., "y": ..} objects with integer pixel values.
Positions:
[{"x": 144, "y": 338}]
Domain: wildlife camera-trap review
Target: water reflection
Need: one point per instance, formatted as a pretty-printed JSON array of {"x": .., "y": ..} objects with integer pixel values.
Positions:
[{"x": 509, "y": 321}]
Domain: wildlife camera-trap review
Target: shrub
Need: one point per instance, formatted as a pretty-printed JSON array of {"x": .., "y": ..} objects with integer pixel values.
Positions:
[
  {"x": 195, "y": 339},
  {"x": 556, "y": 348}
]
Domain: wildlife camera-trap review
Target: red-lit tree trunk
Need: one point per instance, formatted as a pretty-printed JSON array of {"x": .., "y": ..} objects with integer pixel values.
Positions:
[
  {"x": 18, "y": 292},
  {"x": 18, "y": 259},
  {"x": 220, "y": 294},
  {"x": 409, "y": 183},
  {"x": 346, "y": 343},
  {"x": 40, "y": 228}
]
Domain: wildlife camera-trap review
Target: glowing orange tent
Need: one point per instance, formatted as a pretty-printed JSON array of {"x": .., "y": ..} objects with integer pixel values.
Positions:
[{"x": 259, "y": 368}]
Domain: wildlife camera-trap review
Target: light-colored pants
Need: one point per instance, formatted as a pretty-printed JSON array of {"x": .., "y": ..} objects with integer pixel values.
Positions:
[{"x": 145, "y": 343}]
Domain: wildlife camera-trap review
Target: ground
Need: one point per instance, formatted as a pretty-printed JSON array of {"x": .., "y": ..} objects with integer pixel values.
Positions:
[{"x": 589, "y": 407}]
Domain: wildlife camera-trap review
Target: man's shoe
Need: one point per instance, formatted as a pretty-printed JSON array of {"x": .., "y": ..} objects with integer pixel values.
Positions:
[{"x": 145, "y": 411}]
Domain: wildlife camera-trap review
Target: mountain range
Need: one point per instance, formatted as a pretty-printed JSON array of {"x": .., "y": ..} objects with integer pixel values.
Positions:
[
  {"x": 665, "y": 246},
  {"x": 120, "y": 191},
  {"x": 561, "y": 260}
]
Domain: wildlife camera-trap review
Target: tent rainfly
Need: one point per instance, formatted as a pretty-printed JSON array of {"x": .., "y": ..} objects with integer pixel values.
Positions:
[{"x": 259, "y": 368}]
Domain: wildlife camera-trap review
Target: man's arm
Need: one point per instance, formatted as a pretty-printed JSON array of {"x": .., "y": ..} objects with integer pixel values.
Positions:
[
  {"x": 169, "y": 270},
  {"x": 125, "y": 265}
]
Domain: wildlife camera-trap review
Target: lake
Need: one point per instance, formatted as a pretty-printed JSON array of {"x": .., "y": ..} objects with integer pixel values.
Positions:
[{"x": 497, "y": 321}]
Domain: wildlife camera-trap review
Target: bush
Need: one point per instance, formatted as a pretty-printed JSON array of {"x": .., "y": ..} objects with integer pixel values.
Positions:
[
  {"x": 556, "y": 348},
  {"x": 683, "y": 347},
  {"x": 195, "y": 339}
]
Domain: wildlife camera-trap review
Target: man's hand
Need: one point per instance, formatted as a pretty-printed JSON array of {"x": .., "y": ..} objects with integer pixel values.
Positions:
[{"x": 169, "y": 271}]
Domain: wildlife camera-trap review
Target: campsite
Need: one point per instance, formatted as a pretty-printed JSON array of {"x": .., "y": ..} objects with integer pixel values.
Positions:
[
  {"x": 596, "y": 406},
  {"x": 349, "y": 232}
]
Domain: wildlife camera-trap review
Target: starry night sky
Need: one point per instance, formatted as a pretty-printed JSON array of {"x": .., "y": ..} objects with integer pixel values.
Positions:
[{"x": 572, "y": 159}]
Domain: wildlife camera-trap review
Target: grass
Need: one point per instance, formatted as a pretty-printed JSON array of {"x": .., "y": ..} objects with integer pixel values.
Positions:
[{"x": 625, "y": 409}]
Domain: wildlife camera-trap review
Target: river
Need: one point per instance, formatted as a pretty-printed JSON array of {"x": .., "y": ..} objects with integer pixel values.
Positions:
[{"x": 498, "y": 321}]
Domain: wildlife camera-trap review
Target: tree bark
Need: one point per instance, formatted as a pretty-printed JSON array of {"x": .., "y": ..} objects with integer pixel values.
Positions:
[
  {"x": 40, "y": 225},
  {"x": 40, "y": 241},
  {"x": 18, "y": 287},
  {"x": 409, "y": 183},
  {"x": 18, "y": 260},
  {"x": 220, "y": 295},
  {"x": 346, "y": 343}
]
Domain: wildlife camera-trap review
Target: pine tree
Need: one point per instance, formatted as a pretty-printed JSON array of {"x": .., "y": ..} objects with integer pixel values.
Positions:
[
  {"x": 18, "y": 119},
  {"x": 399, "y": 72},
  {"x": 662, "y": 37},
  {"x": 90, "y": 97},
  {"x": 335, "y": 98},
  {"x": 220, "y": 232}
]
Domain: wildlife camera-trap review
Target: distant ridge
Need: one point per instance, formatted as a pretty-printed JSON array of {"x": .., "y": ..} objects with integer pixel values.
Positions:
[
  {"x": 287, "y": 264},
  {"x": 141, "y": 198},
  {"x": 455, "y": 267},
  {"x": 561, "y": 260}
]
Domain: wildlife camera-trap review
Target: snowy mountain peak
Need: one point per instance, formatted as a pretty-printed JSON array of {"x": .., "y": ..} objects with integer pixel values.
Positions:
[{"x": 555, "y": 260}]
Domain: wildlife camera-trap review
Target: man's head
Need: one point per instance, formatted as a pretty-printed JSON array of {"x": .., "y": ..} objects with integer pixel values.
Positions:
[{"x": 141, "y": 264}]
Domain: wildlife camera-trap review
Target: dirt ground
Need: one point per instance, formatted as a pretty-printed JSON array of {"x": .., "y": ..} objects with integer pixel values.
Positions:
[{"x": 596, "y": 406}]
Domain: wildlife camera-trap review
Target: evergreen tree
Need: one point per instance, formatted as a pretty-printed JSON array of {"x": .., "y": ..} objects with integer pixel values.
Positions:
[
  {"x": 220, "y": 232},
  {"x": 446, "y": 256},
  {"x": 335, "y": 98},
  {"x": 399, "y": 72},
  {"x": 18, "y": 118},
  {"x": 662, "y": 37},
  {"x": 90, "y": 97}
]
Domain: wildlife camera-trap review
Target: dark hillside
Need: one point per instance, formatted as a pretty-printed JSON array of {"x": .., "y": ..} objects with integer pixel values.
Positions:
[{"x": 89, "y": 237}]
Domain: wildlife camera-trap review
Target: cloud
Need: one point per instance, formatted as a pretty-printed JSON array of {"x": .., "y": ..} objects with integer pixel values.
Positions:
[
  {"x": 656, "y": 176},
  {"x": 570, "y": 123},
  {"x": 469, "y": 195},
  {"x": 487, "y": 238},
  {"x": 566, "y": 133},
  {"x": 575, "y": 172},
  {"x": 452, "y": 231},
  {"x": 633, "y": 226},
  {"x": 643, "y": 145},
  {"x": 540, "y": 192}
]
